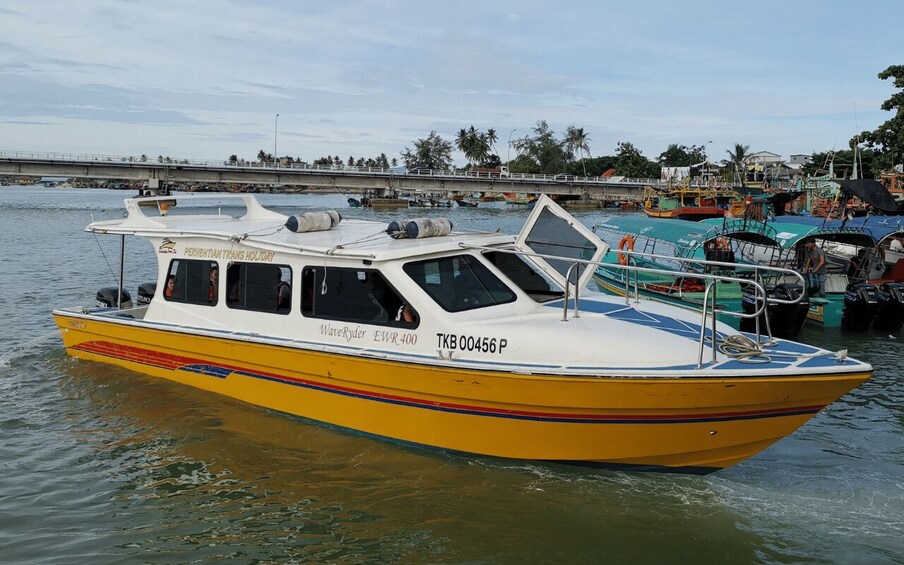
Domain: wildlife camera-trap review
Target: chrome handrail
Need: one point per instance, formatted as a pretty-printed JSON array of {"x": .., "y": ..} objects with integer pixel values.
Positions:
[{"x": 759, "y": 290}]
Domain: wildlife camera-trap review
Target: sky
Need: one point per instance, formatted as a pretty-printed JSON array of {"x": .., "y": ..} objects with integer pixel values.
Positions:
[{"x": 206, "y": 79}]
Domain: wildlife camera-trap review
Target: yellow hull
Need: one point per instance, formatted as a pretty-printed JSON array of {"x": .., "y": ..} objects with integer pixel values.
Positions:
[{"x": 696, "y": 425}]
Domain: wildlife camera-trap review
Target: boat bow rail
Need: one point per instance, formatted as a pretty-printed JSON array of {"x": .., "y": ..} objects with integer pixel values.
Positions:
[{"x": 710, "y": 310}]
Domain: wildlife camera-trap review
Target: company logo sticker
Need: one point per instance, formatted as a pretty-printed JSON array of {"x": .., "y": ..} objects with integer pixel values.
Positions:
[{"x": 168, "y": 246}]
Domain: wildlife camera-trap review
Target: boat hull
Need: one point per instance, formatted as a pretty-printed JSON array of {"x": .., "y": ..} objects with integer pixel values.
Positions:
[
  {"x": 692, "y": 213},
  {"x": 826, "y": 312},
  {"x": 663, "y": 423}
]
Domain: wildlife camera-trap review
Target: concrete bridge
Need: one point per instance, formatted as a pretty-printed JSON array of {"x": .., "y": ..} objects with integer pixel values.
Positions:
[{"x": 161, "y": 173}]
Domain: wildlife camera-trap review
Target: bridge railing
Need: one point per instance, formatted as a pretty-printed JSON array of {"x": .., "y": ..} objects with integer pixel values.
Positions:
[{"x": 167, "y": 162}]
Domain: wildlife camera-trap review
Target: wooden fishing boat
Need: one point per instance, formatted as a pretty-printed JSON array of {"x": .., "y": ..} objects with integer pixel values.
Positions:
[{"x": 686, "y": 202}]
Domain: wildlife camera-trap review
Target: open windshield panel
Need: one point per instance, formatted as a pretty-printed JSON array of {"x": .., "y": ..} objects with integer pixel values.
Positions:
[
  {"x": 459, "y": 282},
  {"x": 525, "y": 275},
  {"x": 550, "y": 230}
]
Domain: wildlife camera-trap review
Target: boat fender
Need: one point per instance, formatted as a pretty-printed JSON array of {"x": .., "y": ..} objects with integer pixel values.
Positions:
[
  {"x": 313, "y": 221},
  {"x": 396, "y": 229},
  {"x": 626, "y": 242},
  {"x": 428, "y": 227},
  {"x": 419, "y": 228}
]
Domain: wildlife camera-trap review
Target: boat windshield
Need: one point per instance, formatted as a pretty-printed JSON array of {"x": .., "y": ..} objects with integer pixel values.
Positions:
[
  {"x": 459, "y": 282},
  {"x": 532, "y": 281}
]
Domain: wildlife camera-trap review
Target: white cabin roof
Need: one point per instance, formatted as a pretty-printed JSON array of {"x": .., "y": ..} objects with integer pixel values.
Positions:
[{"x": 265, "y": 229}]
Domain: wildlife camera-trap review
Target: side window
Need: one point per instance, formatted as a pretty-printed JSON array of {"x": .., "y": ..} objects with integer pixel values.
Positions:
[
  {"x": 353, "y": 295},
  {"x": 459, "y": 283},
  {"x": 259, "y": 287},
  {"x": 192, "y": 281},
  {"x": 529, "y": 279}
]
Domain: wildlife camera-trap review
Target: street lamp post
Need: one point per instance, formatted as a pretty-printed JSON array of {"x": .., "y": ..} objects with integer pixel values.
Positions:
[
  {"x": 508, "y": 157},
  {"x": 275, "y": 126}
]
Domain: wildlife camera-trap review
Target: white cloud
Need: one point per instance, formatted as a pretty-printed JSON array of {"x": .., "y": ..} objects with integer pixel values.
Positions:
[{"x": 205, "y": 79}]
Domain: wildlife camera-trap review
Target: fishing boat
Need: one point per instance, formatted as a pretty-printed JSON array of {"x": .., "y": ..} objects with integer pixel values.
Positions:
[
  {"x": 429, "y": 202},
  {"x": 673, "y": 253},
  {"x": 483, "y": 343},
  {"x": 519, "y": 198},
  {"x": 862, "y": 288},
  {"x": 688, "y": 202}
]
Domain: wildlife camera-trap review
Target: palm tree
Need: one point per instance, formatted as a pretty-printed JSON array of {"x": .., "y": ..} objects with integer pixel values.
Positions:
[
  {"x": 491, "y": 139},
  {"x": 475, "y": 144},
  {"x": 738, "y": 160},
  {"x": 481, "y": 148},
  {"x": 577, "y": 138},
  {"x": 463, "y": 142}
]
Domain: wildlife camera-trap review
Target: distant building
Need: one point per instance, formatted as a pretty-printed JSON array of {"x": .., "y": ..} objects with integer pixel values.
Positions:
[
  {"x": 764, "y": 158},
  {"x": 800, "y": 159}
]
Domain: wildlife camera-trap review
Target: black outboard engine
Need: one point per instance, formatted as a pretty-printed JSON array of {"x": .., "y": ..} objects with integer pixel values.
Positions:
[
  {"x": 785, "y": 320},
  {"x": 890, "y": 307},
  {"x": 146, "y": 293},
  {"x": 860, "y": 303},
  {"x": 723, "y": 256},
  {"x": 108, "y": 296}
]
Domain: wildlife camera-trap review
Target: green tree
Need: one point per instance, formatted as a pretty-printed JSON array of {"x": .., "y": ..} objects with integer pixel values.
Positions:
[
  {"x": 737, "y": 160},
  {"x": 540, "y": 153},
  {"x": 869, "y": 163},
  {"x": 264, "y": 157},
  {"x": 432, "y": 152},
  {"x": 233, "y": 159},
  {"x": 491, "y": 138},
  {"x": 476, "y": 145},
  {"x": 629, "y": 162},
  {"x": 888, "y": 138},
  {"x": 682, "y": 156},
  {"x": 577, "y": 138},
  {"x": 594, "y": 166}
]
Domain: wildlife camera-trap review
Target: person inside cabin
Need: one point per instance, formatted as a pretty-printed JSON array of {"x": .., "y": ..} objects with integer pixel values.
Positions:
[
  {"x": 170, "y": 285},
  {"x": 405, "y": 314},
  {"x": 283, "y": 293},
  {"x": 214, "y": 285},
  {"x": 815, "y": 265}
]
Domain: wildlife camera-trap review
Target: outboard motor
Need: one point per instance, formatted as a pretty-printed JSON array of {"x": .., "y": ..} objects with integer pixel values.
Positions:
[
  {"x": 860, "y": 303},
  {"x": 890, "y": 307},
  {"x": 146, "y": 293},
  {"x": 788, "y": 319},
  {"x": 107, "y": 297},
  {"x": 785, "y": 320}
]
